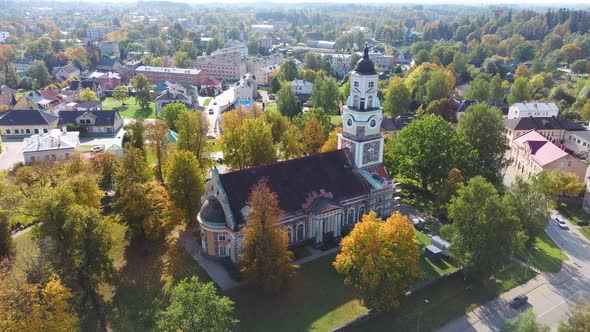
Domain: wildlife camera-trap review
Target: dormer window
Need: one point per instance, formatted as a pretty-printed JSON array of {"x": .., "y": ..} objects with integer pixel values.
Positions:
[
  {"x": 356, "y": 84},
  {"x": 371, "y": 84}
]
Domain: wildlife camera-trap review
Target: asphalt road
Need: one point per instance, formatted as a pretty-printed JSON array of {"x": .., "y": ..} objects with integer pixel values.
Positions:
[
  {"x": 12, "y": 153},
  {"x": 222, "y": 99},
  {"x": 550, "y": 295}
]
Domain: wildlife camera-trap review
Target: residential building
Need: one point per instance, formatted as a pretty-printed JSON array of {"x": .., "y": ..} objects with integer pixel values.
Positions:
[
  {"x": 80, "y": 85},
  {"x": 7, "y": 97},
  {"x": 90, "y": 105},
  {"x": 177, "y": 93},
  {"x": 56, "y": 145},
  {"x": 211, "y": 87},
  {"x": 109, "y": 48},
  {"x": 132, "y": 65},
  {"x": 265, "y": 74},
  {"x": 340, "y": 63},
  {"x": 109, "y": 80},
  {"x": 532, "y": 109},
  {"x": 4, "y": 36},
  {"x": 393, "y": 125},
  {"x": 246, "y": 88},
  {"x": 264, "y": 28},
  {"x": 23, "y": 123},
  {"x": 47, "y": 100},
  {"x": 586, "y": 201},
  {"x": 221, "y": 69},
  {"x": 21, "y": 65},
  {"x": 255, "y": 64},
  {"x": 578, "y": 142},
  {"x": 325, "y": 44},
  {"x": 157, "y": 75},
  {"x": 93, "y": 123},
  {"x": 96, "y": 33},
  {"x": 532, "y": 153},
  {"x": 264, "y": 42},
  {"x": 109, "y": 64},
  {"x": 301, "y": 87},
  {"x": 366, "y": 31},
  {"x": 553, "y": 128},
  {"x": 383, "y": 60},
  {"x": 237, "y": 52},
  {"x": 68, "y": 71},
  {"x": 321, "y": 196}
]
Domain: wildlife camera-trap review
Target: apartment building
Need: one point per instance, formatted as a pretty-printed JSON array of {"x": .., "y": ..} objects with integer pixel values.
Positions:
[
  {"x": 533, "y": 109},
  {"x": 255, "y": 64},
  {"x": 157, "y": 75},
  {"x": 94, "y": 34},
  {"x": 552, "y": 128}
]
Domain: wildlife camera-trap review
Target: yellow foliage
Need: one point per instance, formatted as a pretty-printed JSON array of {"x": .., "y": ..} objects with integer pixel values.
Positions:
[{"x": 332, "y": 142}]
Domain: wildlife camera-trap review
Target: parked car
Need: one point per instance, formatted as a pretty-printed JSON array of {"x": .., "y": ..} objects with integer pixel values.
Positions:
[
  {"x": 211, "y": 111},
  {"x": 561, "y": 224},
  {"x": 518, "y": 301},
  {"x": 214, "y": 103},
  {"x": 272, "y": 97},
  {"x": 97, "y": 148}
]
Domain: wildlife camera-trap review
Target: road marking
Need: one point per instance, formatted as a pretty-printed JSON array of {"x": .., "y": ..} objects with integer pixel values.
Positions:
[{"x": 560, "y": 303}]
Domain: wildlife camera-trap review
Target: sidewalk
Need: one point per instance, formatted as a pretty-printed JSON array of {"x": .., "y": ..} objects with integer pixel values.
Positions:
[{"x": 315, "y": 254}]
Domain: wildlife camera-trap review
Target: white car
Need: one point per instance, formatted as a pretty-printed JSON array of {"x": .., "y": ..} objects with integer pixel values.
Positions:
[
  {"x": 561, "y": 224},
  {"x": 97, "y": 148}
]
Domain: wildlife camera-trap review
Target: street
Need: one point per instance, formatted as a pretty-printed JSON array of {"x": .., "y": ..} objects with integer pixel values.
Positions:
[
  {"x": 551, "y": 295},
  {"x": 222, "y": 99},
  {"x": 12, "y": 153}
]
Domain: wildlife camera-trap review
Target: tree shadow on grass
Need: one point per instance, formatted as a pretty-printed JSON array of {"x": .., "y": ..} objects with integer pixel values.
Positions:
[{"x": 143, "y": 113}]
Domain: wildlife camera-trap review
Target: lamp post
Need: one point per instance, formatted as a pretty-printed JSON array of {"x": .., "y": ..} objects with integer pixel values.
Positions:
[
  {"x": 529, "y": 261},
  {"x": 419, "y": 316}
]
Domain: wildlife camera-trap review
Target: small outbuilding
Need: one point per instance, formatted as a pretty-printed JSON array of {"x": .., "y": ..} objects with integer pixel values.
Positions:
[{"x": 433, "y": 253}]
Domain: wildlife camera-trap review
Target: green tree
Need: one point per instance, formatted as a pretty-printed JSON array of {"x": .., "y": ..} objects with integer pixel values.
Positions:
[
  {"x": 275, "y": 85},
  {"x": 483, "y": 229},
  {"x": 192, "y": 135},
  {"x": 519, "y": 91},
  {"x": 171, "y": 112},
  {"x": 571, "y": 52},
  {"x": 397, "y": 98},
  {"x": 214, "y": 44},
  {"x": 106, "y": 165},
  {"x": 524, "y": 322},
  {"x": 156, "y": 47},
  {"x": 380, "y": 259},
  {"x": 579, "y": 66},
  {"x": 324, "y": 94},
  {"x": 157, "y": 133},
  {"x": 135, "y": 132},
  {"x": 185, "y": 183},
  {"x": 523, "y": 52},
  {"x": 12, "y": 79},
  {"x": 39, "y": 74},
  {"x": 121, "y": 93},
  {"x": 459, "y": 66},
  {"x": 447, "y": 190},
  {"x": 496, "y": 94},
  {"x": 578, "y": 321},
  {"x": 426, "y": 151},
  {"x": 143, "y": 93},
  {"x": 479, "y": 89},
  {"x": 439, "y": 85},
  {"x": 181, "y": 59},
  {"x": 557, "y": 183},
  {"x": 288, "y": 70},
  {"x": 266, "y": 260},
  {"x": 287, "y": 102},
  {"x": 483, "y": 128},
  {"x": 87, "y": 94},
  {"x": 258, "y": 142},
  {"x": 6, "y": 245},
  {"x": 195, "y": 306}
]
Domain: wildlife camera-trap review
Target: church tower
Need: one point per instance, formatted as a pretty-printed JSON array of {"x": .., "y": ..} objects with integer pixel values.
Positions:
[{"x": 362, "y": 116}]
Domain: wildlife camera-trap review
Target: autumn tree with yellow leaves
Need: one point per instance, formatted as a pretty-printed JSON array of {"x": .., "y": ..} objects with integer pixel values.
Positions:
[
  {"x": 380, "y": 259},
  {"x": 266, "y": 260}
]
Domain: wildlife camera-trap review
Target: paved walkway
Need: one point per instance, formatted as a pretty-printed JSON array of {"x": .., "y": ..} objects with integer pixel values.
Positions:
[{"x": 315, "y": 254}]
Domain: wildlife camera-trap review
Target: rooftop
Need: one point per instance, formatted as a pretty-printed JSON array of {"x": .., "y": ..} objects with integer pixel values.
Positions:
[
  {"x": 172, "y": 70},
  {"x": 542, "y": 151},
  {"x": 551, "y": 122},
  {"x": 54, "y": 140}
]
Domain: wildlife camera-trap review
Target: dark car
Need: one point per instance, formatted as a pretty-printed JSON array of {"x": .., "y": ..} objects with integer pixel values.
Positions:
[{"x": 518, "y": 301}]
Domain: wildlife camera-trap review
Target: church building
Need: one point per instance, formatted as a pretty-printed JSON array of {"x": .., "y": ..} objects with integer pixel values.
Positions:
[{"x": 323, "y": 195}]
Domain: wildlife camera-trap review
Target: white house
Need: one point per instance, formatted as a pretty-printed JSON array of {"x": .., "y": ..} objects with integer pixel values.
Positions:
[
  {"x": 246, "y": 88},
  {"x": 57, "y": 145},
  {"x": 301, "y": 87},
  {"x": 4, "y": 36},
  {"x": 532, "y": 109}
]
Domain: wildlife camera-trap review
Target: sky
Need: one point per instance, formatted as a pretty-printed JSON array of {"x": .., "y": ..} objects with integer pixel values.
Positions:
[{"x": 552, "y": 3}]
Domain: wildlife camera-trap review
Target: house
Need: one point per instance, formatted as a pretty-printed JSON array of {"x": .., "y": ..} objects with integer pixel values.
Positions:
[
  {"x": 23, "y": 123},
  {"x": 177, "y": 93},
  {"x": 91, "y": 105},
  {"x": 132, "y": 65},
  {"x": 93, "y": 123},
  {"x": 301, "y": 87},
  {"x": 325, "y": 44},
  {"x": 211, "y": 87},
  {"x": 553, "y": 128},
  {"x": 7, "y": 97},
  {"x": 321, "y": 196},
  {"x": 47, "y": 100},
  {"x": 93, "y": 84},
  {"x": 109, "y": 64},
  {"x": 532, "y": 153},
  {"x": 533, "y": 109},
  {"x": 4, "y": 36},
  {"x": 109, "y": 80},
  {"x": 157, "y": 75},
  {"x": 21, "y": 65},
  {"x": 393, "y": 125},
  {"x": 246, "y": 88},
  {"x": 265, "y": 74},
  {"x": 63, "y": 73},
  {"x": 109, "y": 48},
  {"x": 586, "y": 201},
  {"x": 97, "y": 33},
  {"x": 578, "y": 142},
  {"x": 55, "y": 145}
]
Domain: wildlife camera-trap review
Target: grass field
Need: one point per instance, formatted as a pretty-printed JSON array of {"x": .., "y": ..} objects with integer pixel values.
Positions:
[
  {"x": 549, "y": 257},
  {"x": 431, "y": 269},
  {"x": 130, "y": 109},
  {"x": 206, "y": 102}
]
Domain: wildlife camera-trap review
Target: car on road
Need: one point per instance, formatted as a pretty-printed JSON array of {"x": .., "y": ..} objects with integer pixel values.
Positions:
[
  {"x": 214, "y": 103},
  {"x": 518, "y": 301},
  {"x": 211, "y": 111},
  {"x": 97, "y": 148},
  {"x": 210, "y": 136},
  {"x": 272, "y": 97},
  {"x": 561, "y": 224}
]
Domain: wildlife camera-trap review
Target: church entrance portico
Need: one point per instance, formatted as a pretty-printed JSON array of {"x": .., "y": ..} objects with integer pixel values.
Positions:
[{"x": 328, "y": 225}]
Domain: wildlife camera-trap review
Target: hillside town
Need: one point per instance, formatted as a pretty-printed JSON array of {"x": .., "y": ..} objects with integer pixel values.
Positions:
[{"x": 179, "y": 166}]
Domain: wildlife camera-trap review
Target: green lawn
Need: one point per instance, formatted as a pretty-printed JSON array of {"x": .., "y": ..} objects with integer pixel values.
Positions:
[
  {"x": 130, "y": 109},
  {"x": 549, "y": 256},
  {"x": 586, "y": 232},
  {"x": 447, "y": 299},
  {"x": 431, "y": 269},
  {"x": 270, "y": 105},
  {"x": 206, "y": 102},
  {"x": 576, "y": 214}
]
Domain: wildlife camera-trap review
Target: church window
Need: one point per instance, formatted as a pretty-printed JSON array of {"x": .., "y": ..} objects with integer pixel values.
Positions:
[
  {"x": 362, "y": 211},
  {"x": 300, "y": 232},
  {"x": 222, "y": 251},
  {"x": 356, "y": 84},
  {"x": 355, "y": 101},
  {"x": 371, "y": 84},
  {"x": 350, "y": 219},
  {"x": 370, "y": 103},
  {"x": 290, "y": 234}
]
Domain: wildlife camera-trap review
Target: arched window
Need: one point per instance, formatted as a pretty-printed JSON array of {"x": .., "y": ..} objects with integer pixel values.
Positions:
[
  {"x": 300, "y": 232},
  {"x": 370, "y": 102},
  {"x": 350, "y": 219},
  {"x": 355, "y": 101},
  {"x": 379, "y": 211},
  {"x": 362, "y": 211},
  {"x": 290, "y": 234}
]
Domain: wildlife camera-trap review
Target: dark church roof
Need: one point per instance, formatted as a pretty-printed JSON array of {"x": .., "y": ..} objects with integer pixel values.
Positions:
[
  {"x": 547, "y": 123},
  {"x": 212, "y": 211},
  {"x": 296, "y": 180},
  {"x": 365, "y": 66}
]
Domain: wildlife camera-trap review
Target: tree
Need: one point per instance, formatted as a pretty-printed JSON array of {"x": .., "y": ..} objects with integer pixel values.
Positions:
[
  {"x": 459, "y": 66},
  {"x": 6, "y": 245},
  {"x": 571, "y": 52},
  {"x": 426, "y": 151},
  {"x": 195, "y": 306},
  {"x": 287, "y": 102},
  {"x": 275, "y": 84},
  {"x": 185, "y": 184},
  {"x": 156, "y": 47},
  {"x": 579, "y": 319},
  {"x": 266, "y": 260},
  {"x": 314, "y": 136},
  {"x": 37, "y": 307},
  {"x": 290, "y": 144},
  {"x": 579, "y": 66},
  {"x": 121, "y": 93},
  {"x": 192, "y": 135},
  {"x": 524, "y": 322},
  {"x": 157, "y": 133},
  {"x": 288, "y": 70},
  {"x": 161, "y": 213},
  {"x": 447, "y": 190},
  {"x": 483, "y": 128},
  {"x": 12, "y": 79},
  {"x": 171, "y": 112},
  {"x": 258, "y": 143},
  {"x": 557, "y": 183},
  {"x": 324, "y": 94},
  {"x": 87, "y": 94},
  {"x": 479, "y": 89},
  {"x": 135, "y": 132},
  {"x": 520, "y": 91},
  {"x": 380, "y": 259},
  {"x": 483, "y": 229},
  {"x": 214, "y": 44},
  {"x": 106, "y": 165},
  {"x": 331, "y": 143},
  {"x": 397, "y": 98},
  {"x": 496, "y": 94},
  {"x": 232, "y": 141},
  {"x": 39, "y": 74},
  {"x": 521, "y": 71},
  {"x": 181, "y": 59},
  {"x": 441, "y": 107},
  {"x": 441, "y": 84},
  {"x": 143, "y": 94},
  {"x": 523, "y": 52}
]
